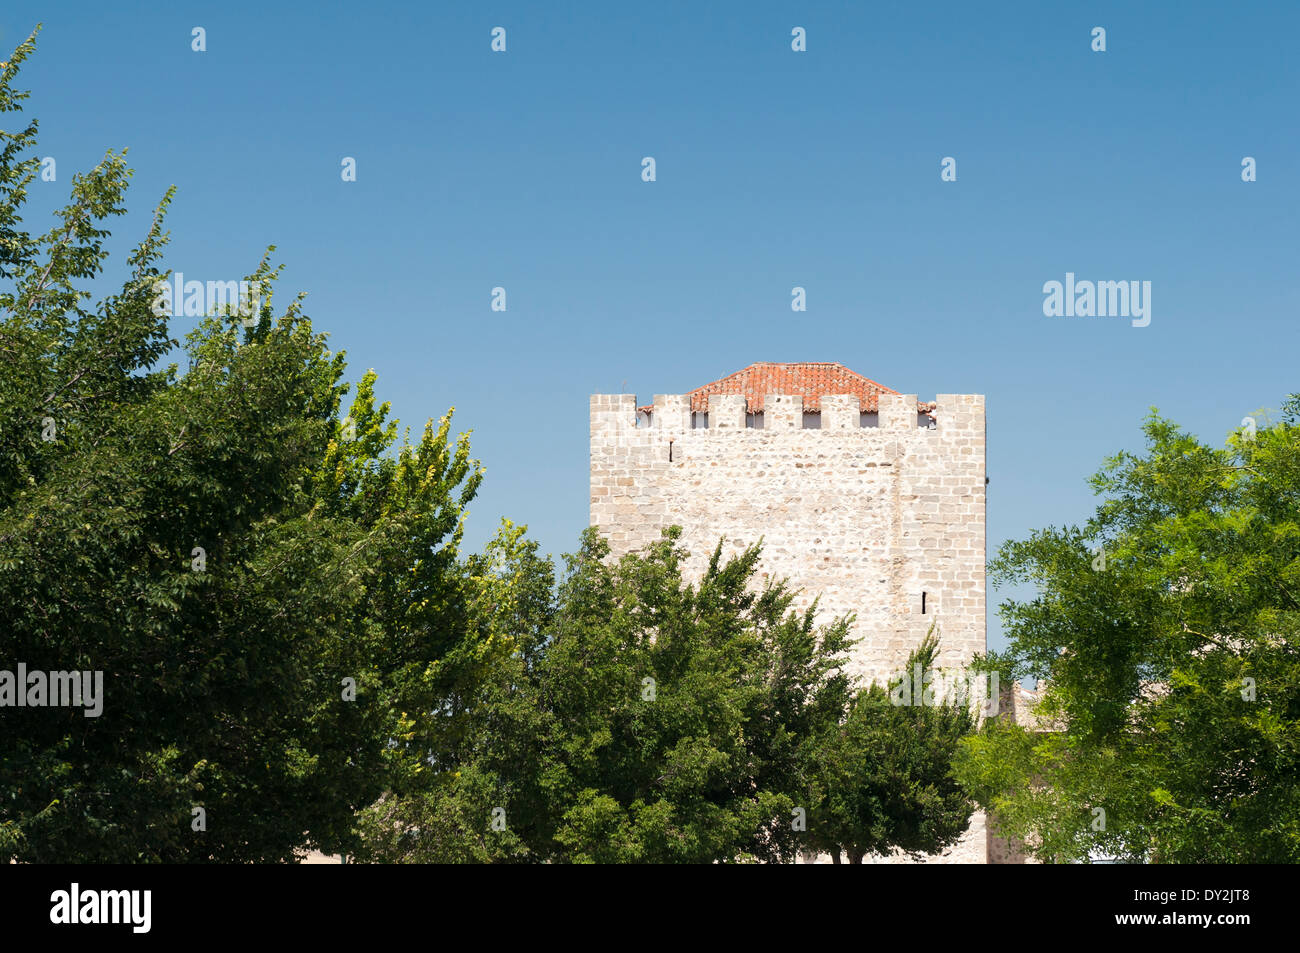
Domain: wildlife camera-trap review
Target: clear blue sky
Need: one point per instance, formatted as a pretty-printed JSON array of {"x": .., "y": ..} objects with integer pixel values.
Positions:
[{"x": 775, "y": 169}]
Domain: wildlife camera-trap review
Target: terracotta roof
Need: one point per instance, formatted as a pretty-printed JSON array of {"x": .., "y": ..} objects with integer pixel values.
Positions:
[{"x": 811, "y": 379}]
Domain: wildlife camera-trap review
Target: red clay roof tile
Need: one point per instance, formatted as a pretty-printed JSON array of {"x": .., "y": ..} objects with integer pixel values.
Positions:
[{"x": 811, "y": 379}]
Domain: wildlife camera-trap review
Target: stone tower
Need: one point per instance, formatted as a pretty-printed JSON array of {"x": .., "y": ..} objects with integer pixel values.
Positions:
[{"x": 862, "y": 497}]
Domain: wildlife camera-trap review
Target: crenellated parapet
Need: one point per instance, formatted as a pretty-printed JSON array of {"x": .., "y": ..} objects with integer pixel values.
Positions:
[{"x": 673, "y": 413}]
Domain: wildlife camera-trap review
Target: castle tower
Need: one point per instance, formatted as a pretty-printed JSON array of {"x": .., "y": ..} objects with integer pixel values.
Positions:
[{"x": 862, "y": 496}]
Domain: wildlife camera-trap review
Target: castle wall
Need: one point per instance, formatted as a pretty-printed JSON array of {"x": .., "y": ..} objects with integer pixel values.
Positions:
[{"x": 867, "y": 518}]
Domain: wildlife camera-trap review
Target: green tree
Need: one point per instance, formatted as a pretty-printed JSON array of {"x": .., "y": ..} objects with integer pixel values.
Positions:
[
  {"x": 883, "y": 776},
  {"x": 481, "y": 746},
  {"x": 1166, "y": 628},
  {"x": 639, "y": 718},
  {"x": 219, "y": 544}
]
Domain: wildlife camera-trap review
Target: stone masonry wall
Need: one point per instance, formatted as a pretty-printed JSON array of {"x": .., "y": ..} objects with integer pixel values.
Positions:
[{"x": 866, "y": 518}]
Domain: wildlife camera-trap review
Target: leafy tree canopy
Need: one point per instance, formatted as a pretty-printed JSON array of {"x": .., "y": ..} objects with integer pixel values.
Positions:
[
  {"x": 644, "y": 718},
  {"x": 882, "y": 775},
  {"x": 217, "y": 543},
  {"x": 1166, "y": 628},
  {"x": 640, "y": 718}
]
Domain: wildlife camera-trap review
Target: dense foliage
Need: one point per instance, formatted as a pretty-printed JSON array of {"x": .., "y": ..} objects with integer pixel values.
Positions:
[
  {"x": 643, "y": 718},
  {"x": 639, "y": 717},
  {"x": 217, "y": 543},
  {"x": 882, "y": 773},
  {"x": 1166, "y": 628}
]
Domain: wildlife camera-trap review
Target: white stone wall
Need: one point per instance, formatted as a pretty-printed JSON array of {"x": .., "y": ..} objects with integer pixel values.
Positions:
[{"x": 866, "y": 518}]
